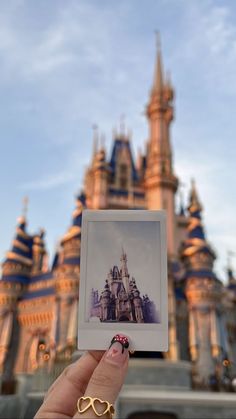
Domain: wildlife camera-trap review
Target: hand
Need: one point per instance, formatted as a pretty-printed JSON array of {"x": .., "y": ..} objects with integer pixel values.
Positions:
[{"x": 96, "y": 374}]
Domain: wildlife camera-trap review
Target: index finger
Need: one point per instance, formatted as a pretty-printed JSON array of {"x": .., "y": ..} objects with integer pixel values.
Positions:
[
  {"x": 62, "y": 396},
  {"x": 105, "y": 382}
]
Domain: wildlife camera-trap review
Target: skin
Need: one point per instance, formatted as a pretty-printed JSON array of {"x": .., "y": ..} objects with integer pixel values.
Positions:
[{"x": 95, "y": 374}]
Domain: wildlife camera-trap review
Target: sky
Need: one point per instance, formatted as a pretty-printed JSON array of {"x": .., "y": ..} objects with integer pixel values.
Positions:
[
  {"x": 141, "y": 243},
  {"x": 67, "y": 65}
]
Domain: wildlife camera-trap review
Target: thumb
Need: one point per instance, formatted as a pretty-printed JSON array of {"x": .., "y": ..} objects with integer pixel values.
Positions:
[{"x": 107, "y": 378}]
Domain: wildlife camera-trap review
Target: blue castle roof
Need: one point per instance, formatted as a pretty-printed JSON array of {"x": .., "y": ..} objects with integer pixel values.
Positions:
[
  {"x": 196, "y": 242},
  {"x": 75, "y": 229},
  {"x": 77, "y": 215},
  {"x": 20, "y": 254},
  {"x": 120, "y": 144},
  {"x": 73, "y": 232}
]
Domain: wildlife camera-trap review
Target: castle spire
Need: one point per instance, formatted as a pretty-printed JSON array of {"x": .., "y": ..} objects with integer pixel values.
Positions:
[
  {"x": 70, "y": 242},
  {"x": 124, "y": 270},
  {"x": 194, "y": 203},
  {"x": 95, "y": 139},
  {"x": 18, "y": 262},
  {"x": 196, "y": 240},
  {"x": 202, "y": 289},
  {"x": 160, "y": 180},
  {"x": 158, "y": 74},
  {"x": 39, "y": 253}
]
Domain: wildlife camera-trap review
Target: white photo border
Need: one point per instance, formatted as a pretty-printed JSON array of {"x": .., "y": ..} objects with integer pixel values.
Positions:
[{"x": 142, "y": 336}]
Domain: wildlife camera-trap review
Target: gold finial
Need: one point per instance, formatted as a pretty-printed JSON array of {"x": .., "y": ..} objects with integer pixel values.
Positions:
[
  {"x": 22, "y": 218},
  {"x": 95, "y": 138},
  {"x": 103, "y": 141},
  {"x": 25, "y": 203},
  {"x": 193, "y": 187},
  {"x": 158, "y": 78},
  {"x": 122, "y": 124},
  {"x": 42, "y": 232},
  {"x": 194, "y": 199}
]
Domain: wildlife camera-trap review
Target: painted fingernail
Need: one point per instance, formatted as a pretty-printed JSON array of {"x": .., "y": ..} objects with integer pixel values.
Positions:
[{"x": 118, "y": 350}]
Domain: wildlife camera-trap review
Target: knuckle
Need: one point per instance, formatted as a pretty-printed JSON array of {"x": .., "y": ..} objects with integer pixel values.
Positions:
[
  {"x": 76, "y": 380},
  {"x": 102, "y": 380}
]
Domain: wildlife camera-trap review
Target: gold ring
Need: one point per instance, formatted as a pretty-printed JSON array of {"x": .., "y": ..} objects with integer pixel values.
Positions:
[{"x": 88, "y": 402}]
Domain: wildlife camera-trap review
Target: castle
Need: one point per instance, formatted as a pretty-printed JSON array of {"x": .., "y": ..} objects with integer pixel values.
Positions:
[
  {"x": 120, "y": 299},
  {"x": 39, "y": 304}
]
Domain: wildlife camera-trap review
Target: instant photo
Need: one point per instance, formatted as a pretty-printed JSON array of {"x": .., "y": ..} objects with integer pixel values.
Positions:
[{"x": 123, "y": 282}]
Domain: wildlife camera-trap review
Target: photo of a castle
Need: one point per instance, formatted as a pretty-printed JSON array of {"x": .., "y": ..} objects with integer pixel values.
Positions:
[{"x": 120, "y": 300}]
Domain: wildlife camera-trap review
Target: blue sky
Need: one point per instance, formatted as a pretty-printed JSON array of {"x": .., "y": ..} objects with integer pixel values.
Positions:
[{"x": 65, "y": 65}]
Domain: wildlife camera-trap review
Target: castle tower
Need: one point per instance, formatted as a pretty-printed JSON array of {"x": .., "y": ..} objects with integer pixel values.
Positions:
[
  {"x": 67, "y": 283},
  {"x": 101, "y": 172},
  {"x": 15, "y": 276},
  {"x": 39, "y": 254},
  {"x": 35, "y": 314},
  {"x": 124, "y": 271},
  {"x": 137, "y": 302},
  {"x": 96, "y": 178},
  {"x": 160, "y": 181},
  {"x": 105, "y": 314},
  {"x": 207, "y": 344}
]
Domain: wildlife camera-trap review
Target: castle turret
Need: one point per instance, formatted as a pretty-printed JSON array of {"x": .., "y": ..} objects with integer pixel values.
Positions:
[
  {"x": 160, "y": 181},
  {"x": 203, "y": 291},
  {"x": 124, "y": 270},
  {"x": 97, "y": 176},
  {"x": 138, "y": 305},
  {"x": 39, "y": 254},
  {"x": 105, "y": 312},
  {"x": 16, "y": 270},
  {"x": 67, "y": 273},
  {"x": 101, "y": 173}
]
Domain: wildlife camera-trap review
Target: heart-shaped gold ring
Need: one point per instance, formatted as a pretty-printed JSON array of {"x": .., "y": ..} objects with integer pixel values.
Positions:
[{"x": 84, "y": 403}]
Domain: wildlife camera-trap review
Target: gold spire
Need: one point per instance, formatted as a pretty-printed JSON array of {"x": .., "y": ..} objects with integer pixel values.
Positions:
[
  {"x": 194, "y": 204},
  {"x": 95, "y": 139},
  {"x": 25, "y": 206},
  {"x": 25, "y": 202},
  {"x": 158, "y": 75}
]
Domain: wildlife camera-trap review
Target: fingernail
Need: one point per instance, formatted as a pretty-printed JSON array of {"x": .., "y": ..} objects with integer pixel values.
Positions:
[{"x": 118, "y": 351}]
